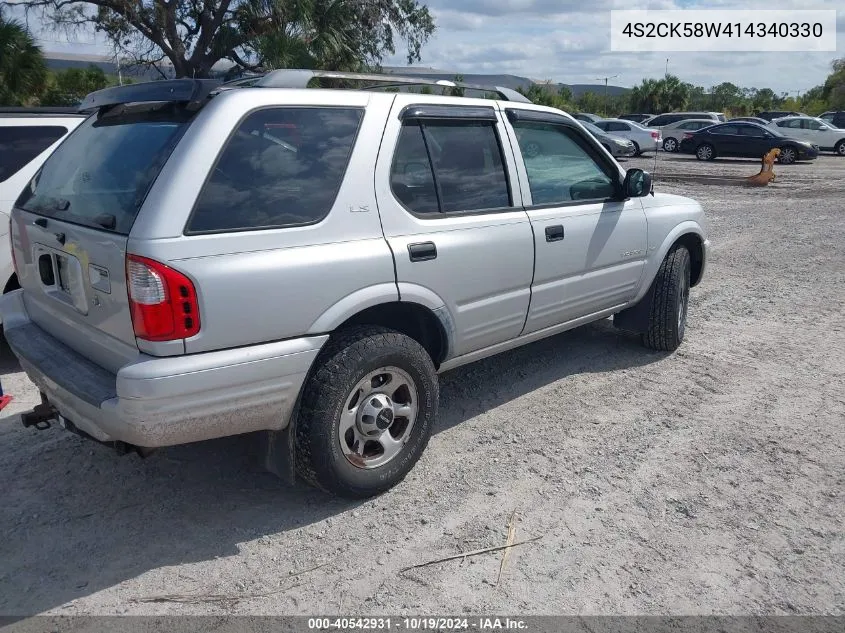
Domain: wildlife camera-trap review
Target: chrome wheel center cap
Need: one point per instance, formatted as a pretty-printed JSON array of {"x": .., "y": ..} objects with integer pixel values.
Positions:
[{"x": 375, "y": 415}]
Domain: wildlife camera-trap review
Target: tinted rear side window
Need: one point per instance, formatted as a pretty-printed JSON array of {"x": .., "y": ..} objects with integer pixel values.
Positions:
[
  {"x": 19, "y": 145},
  {"x": 100, "y": 175},
  {"x": 468, "y": 169},
  {"x": 282, "y": 167}
]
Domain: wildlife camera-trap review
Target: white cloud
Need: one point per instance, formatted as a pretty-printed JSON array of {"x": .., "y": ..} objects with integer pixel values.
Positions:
[{"x": 569, "y": 41}]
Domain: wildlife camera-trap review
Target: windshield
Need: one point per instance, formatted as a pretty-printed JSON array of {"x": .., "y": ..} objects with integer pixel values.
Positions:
[{"x": 100, "y": 175}]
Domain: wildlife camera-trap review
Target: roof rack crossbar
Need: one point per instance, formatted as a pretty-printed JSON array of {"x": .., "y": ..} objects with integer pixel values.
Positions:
[{"x": 297, "y": 78}]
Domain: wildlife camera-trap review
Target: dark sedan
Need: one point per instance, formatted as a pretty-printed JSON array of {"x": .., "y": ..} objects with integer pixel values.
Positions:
[{"x": 746, "y": 140}]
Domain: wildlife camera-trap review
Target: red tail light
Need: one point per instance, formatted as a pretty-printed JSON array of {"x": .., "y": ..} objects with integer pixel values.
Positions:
[
  {"x": 655, "y": 134},
  {"x": 687, "y": 134},
  {"x": 163, "y": 301}
]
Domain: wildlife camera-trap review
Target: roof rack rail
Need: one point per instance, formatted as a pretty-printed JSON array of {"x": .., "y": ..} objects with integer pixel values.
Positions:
[
  {"x": 299, "y": 78},
  {"x": 30, "y": 110},
  {"x": 190, "y": 91}
]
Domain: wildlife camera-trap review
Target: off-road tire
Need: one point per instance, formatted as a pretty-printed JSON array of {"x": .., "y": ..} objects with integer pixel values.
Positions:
[
  {"x": 671, "y": 286},
  {"x": 347, "y": 357}
]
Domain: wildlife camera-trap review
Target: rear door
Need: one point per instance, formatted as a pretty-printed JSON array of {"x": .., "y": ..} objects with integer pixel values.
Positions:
[
  {"x": 71, "y": 224},
  {"x": 451, "y": 211},
  {"x": 590, "y": 245}
]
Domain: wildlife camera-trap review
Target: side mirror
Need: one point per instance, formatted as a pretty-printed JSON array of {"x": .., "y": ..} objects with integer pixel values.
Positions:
[
  {"x": 637, "y": 183},
  {"x": 823, "y": 128}
]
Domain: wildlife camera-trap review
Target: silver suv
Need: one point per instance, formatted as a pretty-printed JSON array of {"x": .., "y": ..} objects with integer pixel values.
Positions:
[{"x": 199, "y": 261}]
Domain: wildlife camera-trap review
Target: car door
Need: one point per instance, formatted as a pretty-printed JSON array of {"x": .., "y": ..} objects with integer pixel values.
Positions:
[
  {"x": 756, "y": 141},
  {"x": 590, "y": 244},
  {"x": 794, "y": 128},
  {"x": 726, "y": 139},
  {"x": 452, "y": 214}
]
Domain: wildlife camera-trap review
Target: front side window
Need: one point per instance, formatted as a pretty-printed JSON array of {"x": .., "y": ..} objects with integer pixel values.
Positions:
[
  {"x": 560, "y": 166},
  {"x": 282, "y": 167},
  {"x": 20, "y": 144},
  {"x": 812, "y": 124},
  {"x": 450, "y": 166},
  {"x": 616, "y": 126}
]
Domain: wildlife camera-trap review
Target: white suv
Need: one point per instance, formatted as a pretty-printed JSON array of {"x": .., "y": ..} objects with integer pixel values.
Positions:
[{"x": 27, "y": 137}]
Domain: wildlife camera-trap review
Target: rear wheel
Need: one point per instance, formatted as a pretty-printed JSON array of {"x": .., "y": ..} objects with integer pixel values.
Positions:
[
  {"x": 840, "y": 148},
  {"x": 788, "y": 155},
  {"x": 670, "y": 145},
  {"x": 637, "y": 151},
  {"x": 705, "y": 152},
  {"x": 366, "y": 413},
  {"x": 668, "y": 317}
]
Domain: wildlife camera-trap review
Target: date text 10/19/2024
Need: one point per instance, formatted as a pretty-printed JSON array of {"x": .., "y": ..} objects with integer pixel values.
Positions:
[{"x": 416, "y": 624}]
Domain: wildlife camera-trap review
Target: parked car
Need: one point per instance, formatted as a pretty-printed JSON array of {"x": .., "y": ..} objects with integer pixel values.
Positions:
[
  {"x": 768, "y": 115},
  {"x": 27, "y": 137},
  {"x": 644, "y": 139},
  {"x": 618, "y": 146},
  {"x": 834, "y": 118},
  {"x": 661, "y": 120},
  {"x": 747, "y": 140},
  {"x": 750, "y": 119},
  {"x": 185, "y": 276},
  {"x": 816, "y": 131},
  {"x": 586, "y": 116},
  {"x": 638, "y": 118},
  {"x": 674, "y": 132}
]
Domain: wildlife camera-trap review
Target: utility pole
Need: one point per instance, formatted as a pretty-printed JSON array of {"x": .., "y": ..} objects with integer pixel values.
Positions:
[
  {"x": 606, "y": 79},
  {"x": 667, "y": 67}
]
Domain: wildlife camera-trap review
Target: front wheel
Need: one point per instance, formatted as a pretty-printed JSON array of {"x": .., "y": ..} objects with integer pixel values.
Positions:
[
  {"x": 668, "y": 317},
  {"x": 670, "y": 145},
  {"x": 366, "y": 412},
  {"x": 705, "y": 152},
  {"x": 788, "y": 155}
]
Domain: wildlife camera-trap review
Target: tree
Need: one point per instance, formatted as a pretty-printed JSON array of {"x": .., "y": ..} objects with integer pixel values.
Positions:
[
  {"x": 672, "y": 93},
  {"x": 68, "y": 87},
  {"x": 22, "y": 66},
  {"x": 590, "y": 102},
  {"x": 834, "y": 87},
  {"x": 253, "y": 34}
]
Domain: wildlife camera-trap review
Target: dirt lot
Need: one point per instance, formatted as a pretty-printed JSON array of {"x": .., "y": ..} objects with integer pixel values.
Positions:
[{"x": 707, "y": 481}]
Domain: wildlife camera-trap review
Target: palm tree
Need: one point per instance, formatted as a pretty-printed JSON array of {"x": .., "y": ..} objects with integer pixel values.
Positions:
[{"x": 22, "y": 67}]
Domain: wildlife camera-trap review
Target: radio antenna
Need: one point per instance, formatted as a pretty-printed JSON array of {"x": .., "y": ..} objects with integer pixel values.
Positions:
[{"x": 654, "y": 169}]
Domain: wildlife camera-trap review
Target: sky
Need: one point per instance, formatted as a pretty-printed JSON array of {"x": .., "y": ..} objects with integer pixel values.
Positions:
[{"x": 568, "y": 41}]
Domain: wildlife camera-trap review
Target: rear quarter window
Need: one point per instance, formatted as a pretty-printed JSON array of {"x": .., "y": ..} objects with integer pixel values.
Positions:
[
  {"x": 282, "y": 167},
  {"x": 19, "y": 145}
]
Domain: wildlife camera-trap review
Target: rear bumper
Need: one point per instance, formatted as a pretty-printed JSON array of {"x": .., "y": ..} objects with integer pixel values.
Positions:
[{"x": 154, "y": 402}]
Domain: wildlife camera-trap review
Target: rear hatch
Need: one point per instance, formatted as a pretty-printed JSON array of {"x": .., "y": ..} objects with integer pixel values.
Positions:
[{"x": 71, "y": 224}]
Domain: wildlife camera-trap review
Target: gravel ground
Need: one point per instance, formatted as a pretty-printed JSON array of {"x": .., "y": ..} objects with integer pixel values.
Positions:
[{"x": 706, "y": 481}]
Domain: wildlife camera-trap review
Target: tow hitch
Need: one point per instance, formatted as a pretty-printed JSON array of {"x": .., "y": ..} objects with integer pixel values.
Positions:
[
  {"x": 41, "y": 417},
  {"x": 44, "y": 414}
]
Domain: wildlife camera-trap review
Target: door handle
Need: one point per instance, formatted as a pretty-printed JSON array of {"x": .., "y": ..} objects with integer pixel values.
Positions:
[
  {"x": 554, "y": 233},
  {"x": 422, "y": 251}
]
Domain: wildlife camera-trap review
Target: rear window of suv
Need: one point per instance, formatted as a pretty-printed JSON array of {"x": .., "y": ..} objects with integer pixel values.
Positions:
[
  {"x": 282, "y": 167},
  {"x": 20, "y": 144},
  {"x": 100, "y": 175}
]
